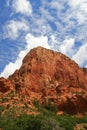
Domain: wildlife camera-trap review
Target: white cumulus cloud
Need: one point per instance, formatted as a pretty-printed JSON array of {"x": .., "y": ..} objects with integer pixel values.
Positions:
[
  {"x": 22, "y": 6},
  {"x": 81, "y": 56},
  {"x": 32, "y": 42},
  {"x": 67, "y": 46}
]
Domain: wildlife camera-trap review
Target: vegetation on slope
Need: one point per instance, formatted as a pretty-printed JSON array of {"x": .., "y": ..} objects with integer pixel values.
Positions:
[{"x": 45, "y": 120}]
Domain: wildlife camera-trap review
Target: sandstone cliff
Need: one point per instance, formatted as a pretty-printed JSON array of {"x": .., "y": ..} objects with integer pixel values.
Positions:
[{"x": 50, "y": 76}]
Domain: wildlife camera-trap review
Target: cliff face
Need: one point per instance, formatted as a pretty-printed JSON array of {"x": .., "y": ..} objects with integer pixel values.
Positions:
[{"x": 46, "y": 75}]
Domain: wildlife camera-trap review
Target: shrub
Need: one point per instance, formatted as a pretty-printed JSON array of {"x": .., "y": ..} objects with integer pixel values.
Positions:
[
  {"x": 50, "y": 124},
  {"x": 85, "y": 127}
]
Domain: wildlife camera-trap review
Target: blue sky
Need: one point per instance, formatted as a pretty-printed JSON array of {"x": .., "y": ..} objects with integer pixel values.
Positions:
[{"x": 53, "y": 24}]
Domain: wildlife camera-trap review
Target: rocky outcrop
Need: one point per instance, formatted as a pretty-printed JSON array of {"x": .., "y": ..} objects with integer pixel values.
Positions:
[{"x": 50, "y": 76}]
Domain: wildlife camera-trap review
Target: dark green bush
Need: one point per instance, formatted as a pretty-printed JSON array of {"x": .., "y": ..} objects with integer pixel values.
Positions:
[
  {"x": 85, "y": 127},
  {"x": 29, "y": 122},
  {"x": 51, "y": 107},
  {"x": 1, "y": 109}
]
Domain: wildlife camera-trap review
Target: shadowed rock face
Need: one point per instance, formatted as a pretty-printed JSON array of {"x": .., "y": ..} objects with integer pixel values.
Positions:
[
  {"x": 51, "y": 76},
  {"x": 85, "y": 70},
  {"x": 5, "y": 85}
]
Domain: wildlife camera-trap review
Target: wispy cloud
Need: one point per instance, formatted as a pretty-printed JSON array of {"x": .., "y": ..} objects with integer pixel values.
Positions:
[
  {"x": 13, "y": 28},
  {"x": 78, "y": 3},
  {"x": 80, "y": 9}
]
